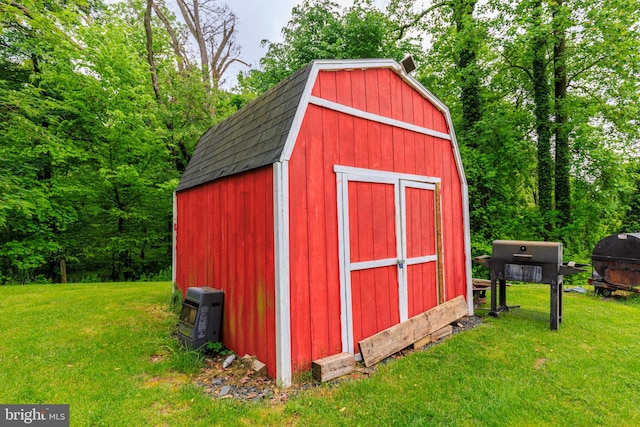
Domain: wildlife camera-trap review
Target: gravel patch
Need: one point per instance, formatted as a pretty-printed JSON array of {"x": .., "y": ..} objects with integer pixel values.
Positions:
[{"x": 240, "y": 382}]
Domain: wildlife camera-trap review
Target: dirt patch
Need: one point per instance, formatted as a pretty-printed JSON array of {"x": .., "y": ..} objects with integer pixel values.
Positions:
[
  {"x": 239, "y": 381},
  {"x": 541, "y": 361},
  {"x": 173, "y": 382},
  {"x": 155, "y": 358}
]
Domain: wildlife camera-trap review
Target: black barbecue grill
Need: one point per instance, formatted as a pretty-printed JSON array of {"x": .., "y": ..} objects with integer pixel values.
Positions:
[
  {"x": 616, "y": 260},
  {"x": 532, "y": 262}
]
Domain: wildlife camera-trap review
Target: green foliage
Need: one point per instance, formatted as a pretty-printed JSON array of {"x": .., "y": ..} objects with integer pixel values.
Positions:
[
  {"x": 319, "y": 29},
  {"x": 631, "y": 222},
  {"x": 89, "y": 157},
  {"x": 175, "y": 303},
  {"x": 511, "y": 192},
  {"x": 218, "y": 348},
  {"x": 185, "y": 360}
]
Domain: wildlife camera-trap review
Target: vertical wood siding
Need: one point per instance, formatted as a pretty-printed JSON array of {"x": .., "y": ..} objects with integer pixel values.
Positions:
[
  {"x": 421, "y": 241},
  {"x": 328, "y": 138},
  {"x": 372, "y": 231},
  {"x": 225, "y": 240}
]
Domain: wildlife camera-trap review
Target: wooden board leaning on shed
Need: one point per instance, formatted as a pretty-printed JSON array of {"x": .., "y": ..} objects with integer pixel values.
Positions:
[
  {"x": 391, "y": 340},
  {"x": 433, "y": 337}
]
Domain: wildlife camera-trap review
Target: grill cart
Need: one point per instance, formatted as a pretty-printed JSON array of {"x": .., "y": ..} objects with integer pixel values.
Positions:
[{"x": 532, "y": 262}]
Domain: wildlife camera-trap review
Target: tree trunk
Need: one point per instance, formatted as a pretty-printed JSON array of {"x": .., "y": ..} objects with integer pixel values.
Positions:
[
  {"x": 192, "y": 19},
  {"x": 63, "y": 270},
  {"x": 563, "y": 158},
  {"x": 470, "y": 96},
  {"x": 150, "y": 60},
  {"x": 542, "y": 113},
  {"x": 177, "y": 48}
]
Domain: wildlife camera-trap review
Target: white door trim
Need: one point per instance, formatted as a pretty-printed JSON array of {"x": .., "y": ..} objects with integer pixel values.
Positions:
[
  {"x": 404, "y": 184},
  {"x": 400, "y": 181}
]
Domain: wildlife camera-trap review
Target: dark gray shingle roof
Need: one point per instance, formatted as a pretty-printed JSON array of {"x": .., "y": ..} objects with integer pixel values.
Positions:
[{"x": 252, "y": 137}]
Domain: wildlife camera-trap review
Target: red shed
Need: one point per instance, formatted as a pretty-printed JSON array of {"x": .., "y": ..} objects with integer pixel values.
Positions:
[{"x": 328, "y": 209}]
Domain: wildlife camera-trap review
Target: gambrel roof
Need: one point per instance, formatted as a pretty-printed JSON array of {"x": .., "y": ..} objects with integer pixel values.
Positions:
[{"x": 263, "y": 132}]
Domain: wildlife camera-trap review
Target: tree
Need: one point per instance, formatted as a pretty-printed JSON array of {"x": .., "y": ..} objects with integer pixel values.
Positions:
[
  {"x": 631, "y": 222},
  {"x": 36, "y": 37},
  {"x": 319, "y": 29},
  {"x": 214, "y": 29},
  {"x": 128, "y": 175},
  {"x": 86, "y": 159},
  {"x": 544, "y": 72},
  {"x": 467, "y": 51},
  {"x": 542, "y": 109},
  {"x": 561, "y": 84},
  {"x": 187, "y": 108}
]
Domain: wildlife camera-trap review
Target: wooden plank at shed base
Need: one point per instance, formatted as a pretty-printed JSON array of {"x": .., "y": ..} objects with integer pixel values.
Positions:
[
  {"x": 482, "y": 284},
  {"x": 391, "y": 340},
  {"x": 335, "y": 366},
  {"x": 433, "y": 337}
]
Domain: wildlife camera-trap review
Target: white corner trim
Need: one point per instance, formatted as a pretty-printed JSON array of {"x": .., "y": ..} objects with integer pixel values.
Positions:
[
  {"x": 467, "y": 246},
  {"x": 464, "y": 187},
  {"x": 174, "y": 233},
  {"x": 282, "y": 270},
  {"x": 376, "y": 118}
]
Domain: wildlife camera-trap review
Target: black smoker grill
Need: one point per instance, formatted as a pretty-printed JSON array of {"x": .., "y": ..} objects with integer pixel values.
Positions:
[
  {"x": 616, "y": 260},
  {"x": 532, "y": 262},
  {"x": 201, "y": 317}
]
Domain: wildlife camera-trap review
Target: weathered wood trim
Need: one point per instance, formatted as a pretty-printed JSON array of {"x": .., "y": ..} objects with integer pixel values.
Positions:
[
  {"x": 422, "y": 342},
  {"x": 440, "y": 246},
  {"x": 441, "y": 333},
  {"x": 402, "y": 335},
  {"x": 433, "y": 337}
]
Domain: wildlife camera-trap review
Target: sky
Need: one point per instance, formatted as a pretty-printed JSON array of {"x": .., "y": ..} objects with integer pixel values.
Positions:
[{"x": 259, "y": 20}]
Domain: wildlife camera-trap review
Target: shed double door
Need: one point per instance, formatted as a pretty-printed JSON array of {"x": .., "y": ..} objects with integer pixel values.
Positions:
[{"x": 389, "y": 245}]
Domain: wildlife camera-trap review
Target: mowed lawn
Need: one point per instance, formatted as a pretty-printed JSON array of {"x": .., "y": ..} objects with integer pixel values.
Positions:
[{"x": 106, "y": 350}]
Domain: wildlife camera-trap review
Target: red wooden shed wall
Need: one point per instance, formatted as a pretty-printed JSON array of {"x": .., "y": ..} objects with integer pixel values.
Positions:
[
  {"x": 225, "y": 240},
  {"x": 328, "y": 138}
]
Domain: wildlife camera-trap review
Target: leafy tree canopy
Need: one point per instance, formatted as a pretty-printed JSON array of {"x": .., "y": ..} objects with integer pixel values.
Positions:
[{"x": 319, "y": 29}]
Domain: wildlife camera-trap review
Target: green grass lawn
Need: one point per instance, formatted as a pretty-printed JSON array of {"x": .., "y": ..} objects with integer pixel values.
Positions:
[{"x": 106, "y": 350}]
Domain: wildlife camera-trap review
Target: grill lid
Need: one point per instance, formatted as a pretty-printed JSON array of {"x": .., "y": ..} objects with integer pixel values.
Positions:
[
  {"x": 616, "y": 258},
  {"x": 522, "y": 251}
]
